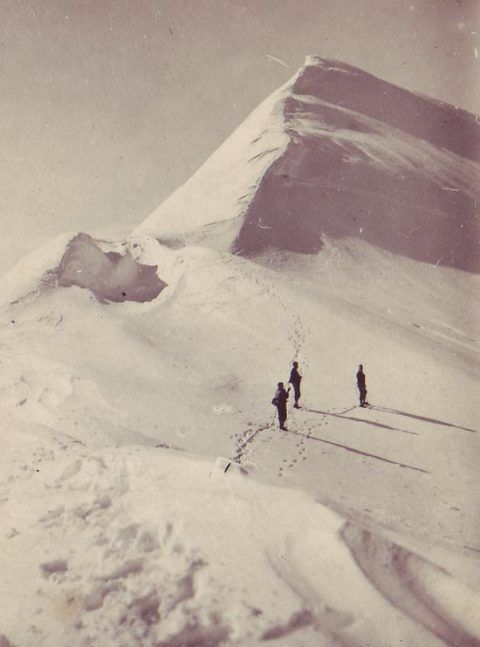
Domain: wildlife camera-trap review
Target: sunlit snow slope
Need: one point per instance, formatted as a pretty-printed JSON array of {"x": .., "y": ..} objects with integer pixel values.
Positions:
[{"x": 147, "y": 496}]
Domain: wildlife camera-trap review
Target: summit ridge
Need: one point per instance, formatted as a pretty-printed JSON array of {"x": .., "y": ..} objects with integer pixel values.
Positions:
[{"x": 337, "y": 153}]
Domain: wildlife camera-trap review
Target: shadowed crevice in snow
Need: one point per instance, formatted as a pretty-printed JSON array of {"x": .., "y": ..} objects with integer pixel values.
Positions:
[
  {"x": 367, "y": 159},
  {"x": 427, "y": 593},
  {"x": 108, "y": 275}
]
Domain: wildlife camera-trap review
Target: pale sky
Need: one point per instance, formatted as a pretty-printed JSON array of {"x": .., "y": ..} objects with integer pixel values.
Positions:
[{"x": 108, "y": 105}]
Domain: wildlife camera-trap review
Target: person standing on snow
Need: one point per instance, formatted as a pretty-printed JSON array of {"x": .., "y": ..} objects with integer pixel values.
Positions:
[
  {"x": 362, "y": 386},
  {"x": 280, "y": 401},
  {"x": 295, "y": 379}
]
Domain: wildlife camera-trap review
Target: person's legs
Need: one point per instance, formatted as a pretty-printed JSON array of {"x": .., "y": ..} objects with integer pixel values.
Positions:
[
  {"x": 282, "y": 416},
  {"x": 297, "y": 396},
  {"x": 363, "y": 396}
]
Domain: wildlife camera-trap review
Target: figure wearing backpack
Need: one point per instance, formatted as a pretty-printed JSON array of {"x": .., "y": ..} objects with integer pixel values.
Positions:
[{"x": 280, "y": 401}]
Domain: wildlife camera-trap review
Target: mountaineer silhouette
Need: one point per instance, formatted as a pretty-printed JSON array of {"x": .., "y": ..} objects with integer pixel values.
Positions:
[
  {"x": 294, "y": 380},
  {"x": 280, "y": 401},
  {"x": 362, "y": 386}
]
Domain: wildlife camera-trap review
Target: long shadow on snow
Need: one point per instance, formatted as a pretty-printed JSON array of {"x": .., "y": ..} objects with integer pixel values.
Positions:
[
  {"x": 362, "y": 420},
  {"x": 357, "y": 451},
  {"x": 424, "y": 419}
]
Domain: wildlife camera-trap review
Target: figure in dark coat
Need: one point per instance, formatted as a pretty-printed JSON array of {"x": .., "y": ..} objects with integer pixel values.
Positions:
[
  {"x": 295, "y": 379},
  {"x": 362, "y": 386},
  {"x": 280, "y": 401}
]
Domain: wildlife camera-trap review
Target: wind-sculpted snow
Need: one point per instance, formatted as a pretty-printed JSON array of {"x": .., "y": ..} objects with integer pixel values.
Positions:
[
  {"x": 109, "y": 275},
  {"x": 140, "y": 546},
  {"x": 112, "y": 535},
  {"x": 338, "y": 153},
  {"x": 398, "y": 174},
  {"x": 140, "y": 450},
  {"x": 223, "y": 187},
  {"x": 423, "y": 590},
  {"x": 442, "y": 125}
]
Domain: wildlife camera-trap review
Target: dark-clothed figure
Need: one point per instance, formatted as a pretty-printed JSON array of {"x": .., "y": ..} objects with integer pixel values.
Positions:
[
  {"x": 295, "y": 379},
  {"x": 362, "y": 386},
  {"x": 280, "y": 401}
]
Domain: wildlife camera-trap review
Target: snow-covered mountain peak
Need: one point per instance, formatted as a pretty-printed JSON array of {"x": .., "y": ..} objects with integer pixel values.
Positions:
[
  {"x": 328, "y": 64},
  {"x": 337, "y": 153},
  {"x": 312, "y": 59}
]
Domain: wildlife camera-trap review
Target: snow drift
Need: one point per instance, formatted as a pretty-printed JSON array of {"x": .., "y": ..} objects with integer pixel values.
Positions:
[
  {"x": 109, "y": 275},
  {"x": 136, "y": 546},
  {"x": 338, "y": 153}
]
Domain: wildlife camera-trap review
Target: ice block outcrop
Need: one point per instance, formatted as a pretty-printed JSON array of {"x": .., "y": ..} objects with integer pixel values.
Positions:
[{"x": 110, "y": 276}]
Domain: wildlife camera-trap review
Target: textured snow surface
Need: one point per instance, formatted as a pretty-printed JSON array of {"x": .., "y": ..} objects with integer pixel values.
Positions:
[
  {"x": 114, "y": 528},
  {"x": 134, "y": 546},
  {"x": 338, "y": 153},
  {"x": 147, "y": 496},
  {"x": 109, "y": 275},
  {"x": 237, "y": 166}
]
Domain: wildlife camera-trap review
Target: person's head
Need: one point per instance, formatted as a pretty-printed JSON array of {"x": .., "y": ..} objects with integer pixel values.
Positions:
[
  {"x": 360, "y": 368},
  {"x": 280, "y": 385},
  {"x": 295, "y": 364}
]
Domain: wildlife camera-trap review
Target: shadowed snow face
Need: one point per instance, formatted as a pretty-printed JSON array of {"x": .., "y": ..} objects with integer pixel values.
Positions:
[
  {"x": 323, "y": 188},
  {"x": 367, "y": 159},
  {"x": 338, "y": 153},
  {"x": 441, "y": 124},
  {"x": 109, "y": 275}
]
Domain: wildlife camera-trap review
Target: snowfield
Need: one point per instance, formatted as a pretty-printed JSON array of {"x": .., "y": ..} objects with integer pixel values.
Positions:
[
  {"x": 147, "y": 495},
  {"x": 134, "y": 546}
]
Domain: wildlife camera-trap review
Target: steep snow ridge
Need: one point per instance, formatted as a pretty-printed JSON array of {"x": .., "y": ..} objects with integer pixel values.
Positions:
[
  {"x": 353, "y": 168},
  {"x": 390, "y": 149},
  {"x": 338, "y": 153},
  {"x": 222, "y": 188},
  {"x": 441, "y": 124},
  {"x": 328, "y": 65}
]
